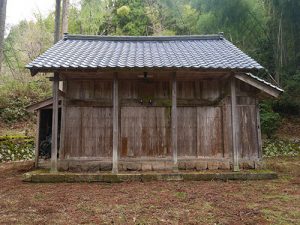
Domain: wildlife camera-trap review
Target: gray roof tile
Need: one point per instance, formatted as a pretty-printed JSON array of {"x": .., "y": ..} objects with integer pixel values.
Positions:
[{"x": 94, "y": 52}]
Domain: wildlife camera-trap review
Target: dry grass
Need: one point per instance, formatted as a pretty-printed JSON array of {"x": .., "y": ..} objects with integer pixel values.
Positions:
[{"x": 233, "y": 202}]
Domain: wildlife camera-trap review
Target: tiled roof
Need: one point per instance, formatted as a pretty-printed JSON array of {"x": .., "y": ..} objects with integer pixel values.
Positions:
[{"x": 112, "y": 52}]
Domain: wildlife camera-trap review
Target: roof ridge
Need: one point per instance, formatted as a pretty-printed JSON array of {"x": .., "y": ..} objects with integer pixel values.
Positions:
[{"x": 143, "y": 38}]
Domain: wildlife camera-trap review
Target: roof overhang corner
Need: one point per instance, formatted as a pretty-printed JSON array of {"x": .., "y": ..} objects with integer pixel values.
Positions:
[{"x": 264, "y": 86}]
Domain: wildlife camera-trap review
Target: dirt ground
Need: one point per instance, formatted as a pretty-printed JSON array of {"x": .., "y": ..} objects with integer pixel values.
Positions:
[{"x": 232, "y": 202}]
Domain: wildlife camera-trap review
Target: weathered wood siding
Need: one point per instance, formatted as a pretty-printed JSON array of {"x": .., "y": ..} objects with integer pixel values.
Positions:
[
  {"x": 187, "y": 131},
  {"x": 145, "y": 131},
  {"x": 204, "y": 118},
  {"x": 248, "y": 141},
  {"x": 88, "y": 125},
  {"x": 209, "y": 135},
  {"x": 145, "y": 118},
  {"x": 199, "y": 118}
]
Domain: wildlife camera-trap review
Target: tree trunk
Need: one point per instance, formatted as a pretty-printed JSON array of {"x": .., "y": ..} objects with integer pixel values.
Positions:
[
  {"x": 280, "y": 50},
  {"x": 65, "y": 17},
  {"x": 57, "y": 21},
  {"x": 2, "y": 28}
]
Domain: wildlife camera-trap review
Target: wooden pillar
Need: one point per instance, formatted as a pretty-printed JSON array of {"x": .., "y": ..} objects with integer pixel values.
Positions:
[
  {"x": 259, "y": 142},
  {"x": 115, "y": 125},
  {"x": 63, "y": 121},
  {"x": 54, "y": 123},
  {"x": 234, "y": 125},
  {"x": 37, "y": 139},
  {"x": 174, "y": 121}
]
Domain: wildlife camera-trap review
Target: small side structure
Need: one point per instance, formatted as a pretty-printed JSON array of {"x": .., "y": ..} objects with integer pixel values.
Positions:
[{"x": 150, "y": 103}]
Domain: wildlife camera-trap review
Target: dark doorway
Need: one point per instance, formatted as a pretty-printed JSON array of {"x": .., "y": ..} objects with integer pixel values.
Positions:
[{"x": 45, "y": 132}]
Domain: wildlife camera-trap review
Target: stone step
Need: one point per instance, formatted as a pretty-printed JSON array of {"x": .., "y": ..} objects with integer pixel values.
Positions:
[{"x": 47, "y": 177}]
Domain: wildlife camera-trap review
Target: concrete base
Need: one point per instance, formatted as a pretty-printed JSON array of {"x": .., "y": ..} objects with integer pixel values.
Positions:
[{"x": 47, "y": 177}]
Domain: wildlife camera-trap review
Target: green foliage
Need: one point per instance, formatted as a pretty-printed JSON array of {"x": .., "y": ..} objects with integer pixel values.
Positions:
[
  {"x": 90, "y": 18},
  {"x": 128, "y": 18},
  {"x": 123, "y": 10},
  {"x": 274, "y": 147},
  {"x": 14, "y": 148},
  {"x": 15, "y": 95},
  {"x": 289, "y": 103},
  {"x": 269, "y": 119}
]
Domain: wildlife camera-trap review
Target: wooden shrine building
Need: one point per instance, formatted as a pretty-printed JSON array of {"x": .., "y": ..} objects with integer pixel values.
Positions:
[{"x": 150, "y": 103}]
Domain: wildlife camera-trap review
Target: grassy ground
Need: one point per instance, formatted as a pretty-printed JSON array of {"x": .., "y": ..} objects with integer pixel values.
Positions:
[{"x": 234, "y": 202}]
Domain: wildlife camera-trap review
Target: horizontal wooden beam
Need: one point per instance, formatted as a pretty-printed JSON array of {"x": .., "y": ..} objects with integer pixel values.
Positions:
[
  {"x": 141, "y": 102},
  {"x": 89, "y": 102}
]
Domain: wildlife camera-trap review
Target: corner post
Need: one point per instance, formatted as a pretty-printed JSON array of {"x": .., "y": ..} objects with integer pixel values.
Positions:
[
  {"x": 259, "y": 142},
  {"x": 54, "y": 123},
  {"x": 234, "y": 125},
  {"x": 115, "y": 124},
  {"x": 37, "y": 139},
  {"x": 174, "y": 121}
]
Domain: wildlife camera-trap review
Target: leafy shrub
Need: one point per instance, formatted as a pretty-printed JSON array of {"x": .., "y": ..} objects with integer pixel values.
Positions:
[
  {"x": 274, "y": 147},
  {"x": 15, "y": 95},
  {"x": 16, "y": 148},
  {"x": 270, "y": 120},
  {"x": 287, "y": 105}
]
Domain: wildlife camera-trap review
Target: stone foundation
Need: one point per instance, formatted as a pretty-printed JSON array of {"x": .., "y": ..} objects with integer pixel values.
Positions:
[
  {"x": 46, "y": 177},
  {"x": 159, "y": 165}
]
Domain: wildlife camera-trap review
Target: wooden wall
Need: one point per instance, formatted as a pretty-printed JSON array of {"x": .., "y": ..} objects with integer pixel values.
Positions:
[
  {"x": 88, "y": 120},
  {"x": 204, "y": 118}
]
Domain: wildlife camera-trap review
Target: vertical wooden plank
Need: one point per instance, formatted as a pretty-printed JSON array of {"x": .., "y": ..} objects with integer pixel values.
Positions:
[
  {"x": 37, "y": 139},
  {"x": 210, "y": 90},
  {"x": 54, "y": 123},
  {"x": 74, "y": 88},
  {"x": 259, "y": 142},
  {"x": 186, "y": 90},
  {"x": 174, "y": 120},
  {"x": 88, "y": 139},
  {"x": 144, "y": 132},
  {"x": 102, "y": 89},
  {"x": 234, "y": 124},
  {"x": 115, "y": 124},
  {"x": 248, "y": 137},
  {"x": 209, "y": 129},
  {"x": 187, "y": 125},
  {"x": 227, "y": 134},
  {"x": 73, "y": 132}
]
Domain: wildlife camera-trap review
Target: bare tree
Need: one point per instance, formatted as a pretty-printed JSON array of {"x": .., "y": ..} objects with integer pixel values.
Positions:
[
  {"x": 2, "y": 28},
  {"x": 57, "y": 21},
  {"x": 65, "y": 17}
]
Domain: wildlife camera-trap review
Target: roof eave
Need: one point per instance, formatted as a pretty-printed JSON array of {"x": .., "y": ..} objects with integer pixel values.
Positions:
[{"x": 35, "y": 70}]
